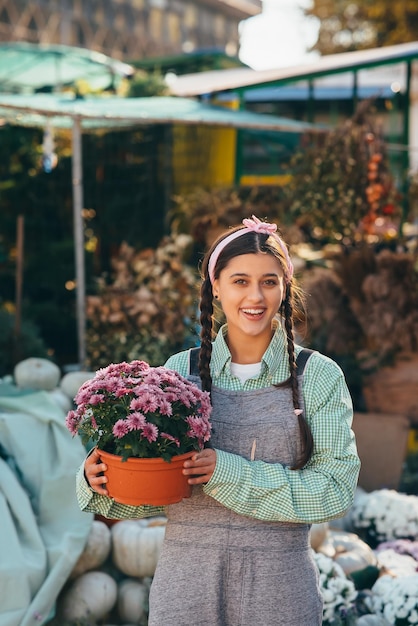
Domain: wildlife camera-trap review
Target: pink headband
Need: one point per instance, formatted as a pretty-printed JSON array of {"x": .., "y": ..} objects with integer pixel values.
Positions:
[{"x": 256, "y": 226}]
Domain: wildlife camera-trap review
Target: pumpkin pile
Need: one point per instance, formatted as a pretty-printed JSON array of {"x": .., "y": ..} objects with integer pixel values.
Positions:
[
  {"x": 110, "y": 583},
  {"x": 111, "y": 578}
]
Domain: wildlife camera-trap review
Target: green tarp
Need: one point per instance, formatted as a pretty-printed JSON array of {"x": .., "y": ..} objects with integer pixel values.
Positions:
[{"x": 43, "y": 532}]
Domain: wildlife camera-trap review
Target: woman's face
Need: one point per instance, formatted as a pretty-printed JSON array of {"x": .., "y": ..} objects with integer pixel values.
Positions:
[{"x": 250, "y": 289}]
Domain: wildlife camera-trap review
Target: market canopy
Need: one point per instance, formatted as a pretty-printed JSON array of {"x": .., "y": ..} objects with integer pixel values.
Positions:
[
  {"x": 115, "y": 112},
  {"x": 204, "y": 83},
  {"x": 26, "y": 67}
]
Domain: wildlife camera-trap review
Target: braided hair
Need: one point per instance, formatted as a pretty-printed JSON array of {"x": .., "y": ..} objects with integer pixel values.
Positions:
[{"x": 251, "y": 243}]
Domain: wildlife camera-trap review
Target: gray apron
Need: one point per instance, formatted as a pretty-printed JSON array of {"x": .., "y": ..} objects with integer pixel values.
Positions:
[{"x": 218, "y": 568}]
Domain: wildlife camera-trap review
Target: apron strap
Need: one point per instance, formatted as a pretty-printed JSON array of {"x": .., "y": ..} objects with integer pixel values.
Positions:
[
  {"x": 301, "y": 360},
  {"x": 194, "y": 362}
]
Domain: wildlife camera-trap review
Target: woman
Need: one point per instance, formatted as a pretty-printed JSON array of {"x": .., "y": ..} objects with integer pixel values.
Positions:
[{"x": 282, "y": 454}]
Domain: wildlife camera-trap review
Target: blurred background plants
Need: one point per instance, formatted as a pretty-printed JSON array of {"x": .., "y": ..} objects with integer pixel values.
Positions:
[
  {"x": 147, "y": 308},
  {"x": 341, "y": 212}
]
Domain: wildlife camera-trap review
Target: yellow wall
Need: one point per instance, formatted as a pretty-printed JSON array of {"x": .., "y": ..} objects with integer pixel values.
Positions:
[{"x": 203, "y": 156}]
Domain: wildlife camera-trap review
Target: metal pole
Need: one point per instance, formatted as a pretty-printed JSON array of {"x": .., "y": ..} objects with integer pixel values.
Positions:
[
  {"x": 19, "y": 277},
  {"x": 77, "y": 175}
]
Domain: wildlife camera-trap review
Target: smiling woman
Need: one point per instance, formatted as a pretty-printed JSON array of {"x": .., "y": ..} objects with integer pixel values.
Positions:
[{"x": 282, "y": 454}]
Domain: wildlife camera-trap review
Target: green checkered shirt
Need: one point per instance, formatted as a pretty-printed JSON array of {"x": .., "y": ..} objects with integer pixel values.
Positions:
[{"x": 322, "y": 490}]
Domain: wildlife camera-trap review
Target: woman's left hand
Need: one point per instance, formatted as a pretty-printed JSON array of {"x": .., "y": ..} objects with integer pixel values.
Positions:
[{"x": 200, "y": 466}]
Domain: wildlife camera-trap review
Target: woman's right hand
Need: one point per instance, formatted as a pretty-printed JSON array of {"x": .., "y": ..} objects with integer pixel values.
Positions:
[{"x": 93, "y": 471}]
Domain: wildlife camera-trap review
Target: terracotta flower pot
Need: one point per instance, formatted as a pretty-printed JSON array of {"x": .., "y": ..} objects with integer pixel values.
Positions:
[{"x": 146, "y": 481}]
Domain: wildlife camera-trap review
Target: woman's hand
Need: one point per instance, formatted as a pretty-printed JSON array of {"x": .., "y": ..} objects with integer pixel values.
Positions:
[
  {"x": 93, "y": 471},
  {"x": 200, "y": 466}
]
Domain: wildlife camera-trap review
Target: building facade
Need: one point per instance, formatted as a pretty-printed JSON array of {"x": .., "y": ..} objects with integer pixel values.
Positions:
[{"x": 128, "y": 29}]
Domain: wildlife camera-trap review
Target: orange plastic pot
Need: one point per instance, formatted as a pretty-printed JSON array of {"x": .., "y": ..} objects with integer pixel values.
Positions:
[{"x": 146, "y": 481}]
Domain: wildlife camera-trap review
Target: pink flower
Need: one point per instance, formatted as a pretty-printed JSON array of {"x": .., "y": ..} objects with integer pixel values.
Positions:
[
  {"x": 71, "y": 421},
  {"x": 171, "y": 394},
  {"x": 136, "y": 421},
  {"x": 123, "y": 391},
  {"x": 152, "y": 377},
  {"x": 96, "y": 398},
  {"x": 146, "y": 402},
  {"x": 171, "y": 438},
  {"x": 198, "y": 428},
  {"x": 150, "y": 432},
  {"x": 165, "y": 408},
  {"x": 120, "y": 429}
]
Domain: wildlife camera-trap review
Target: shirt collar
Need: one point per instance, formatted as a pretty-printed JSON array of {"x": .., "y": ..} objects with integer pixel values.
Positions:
[{"x": 221, "y": 356}]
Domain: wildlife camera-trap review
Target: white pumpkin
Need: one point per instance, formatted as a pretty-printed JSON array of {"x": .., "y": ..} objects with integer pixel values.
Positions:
[
  {"x": 327, "y": 548},
  {"x": 317, "y": 535},
  {"x": 36, "y": 373},
  {"x": 351, "y": 553},
  {"x": 96, "y": 550},
  {"x": 91, "y": 595},
  {"x": 70, "y": 383},
  {"x": 132, "y": 597},
  {"x": 136, "y": 545}
]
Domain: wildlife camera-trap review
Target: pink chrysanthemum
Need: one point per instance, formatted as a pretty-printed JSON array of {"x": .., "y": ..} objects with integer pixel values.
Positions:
[
  {"x": 136, "y": 421},
  {"x": 120, "y": 429},
  {"x": 150, "y": 432},
  {"x": 176, "y": 440},
  {"x": 146, "y": 402},
  {"x": 132, "y": 409},
  {"x": 72, "y": 421}
]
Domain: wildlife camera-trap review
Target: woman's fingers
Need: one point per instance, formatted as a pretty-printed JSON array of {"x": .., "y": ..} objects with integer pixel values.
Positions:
[
  {"x": 200, "y": 467},
  {"x": 94, "y": 472}
]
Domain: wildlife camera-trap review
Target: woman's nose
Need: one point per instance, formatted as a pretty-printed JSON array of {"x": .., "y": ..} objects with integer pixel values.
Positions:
[{"x": 256, "y": 293}]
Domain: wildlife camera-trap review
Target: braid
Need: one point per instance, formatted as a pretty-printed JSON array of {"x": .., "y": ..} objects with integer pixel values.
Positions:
[
  {"x": 206, "y": 311},
  {"x": 305, "y": 431}
]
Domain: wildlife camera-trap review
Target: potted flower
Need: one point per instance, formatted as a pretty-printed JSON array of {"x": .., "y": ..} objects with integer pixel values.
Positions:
[
  {"x": 384, "y": 515},
  {"x": 338, "y": 592},
  {"x": 396, "y": 599},
  {"x": 142, "y": 419}
]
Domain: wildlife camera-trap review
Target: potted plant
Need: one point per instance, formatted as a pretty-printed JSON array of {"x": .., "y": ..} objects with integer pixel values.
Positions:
[{"x": 145, "y": 421}]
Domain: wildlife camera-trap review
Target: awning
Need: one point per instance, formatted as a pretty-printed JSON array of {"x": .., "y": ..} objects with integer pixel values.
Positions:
[
  {"x": 206, "y": 83},
  {"x": 116, "y": 112},
  {"x": 26, "y": 67}
]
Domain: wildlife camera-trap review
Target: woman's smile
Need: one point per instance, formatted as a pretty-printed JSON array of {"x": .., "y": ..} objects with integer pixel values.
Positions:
[{"x": 254, "y": 314}]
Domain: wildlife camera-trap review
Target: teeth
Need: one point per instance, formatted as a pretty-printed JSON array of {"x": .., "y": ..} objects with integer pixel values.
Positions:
[{"x": 253, "y": 311}]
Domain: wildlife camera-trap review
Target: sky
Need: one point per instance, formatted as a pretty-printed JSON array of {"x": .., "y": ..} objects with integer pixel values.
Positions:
[{"x": 279, "y": 36}]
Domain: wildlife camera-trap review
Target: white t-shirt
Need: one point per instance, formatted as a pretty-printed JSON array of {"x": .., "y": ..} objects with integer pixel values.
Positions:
[{"x": 244, "y": 372}]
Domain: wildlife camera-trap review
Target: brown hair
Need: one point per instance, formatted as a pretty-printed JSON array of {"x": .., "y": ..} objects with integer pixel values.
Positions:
[{"x": 251, "y": 243}]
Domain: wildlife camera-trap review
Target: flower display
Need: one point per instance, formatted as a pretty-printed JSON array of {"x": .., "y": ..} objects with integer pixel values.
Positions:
[
  {"x": 401, "y": 546},
  {"x": 338, "y": 593},
  {"x": 384, "y": 515},
  {"x": 134, "y": 410},
  {"x": 396, "y": 599},
  {"x": 396, "y": 564}
]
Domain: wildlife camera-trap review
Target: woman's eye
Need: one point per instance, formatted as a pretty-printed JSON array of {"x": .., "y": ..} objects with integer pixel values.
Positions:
[{"x": 270, "y": 282}]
